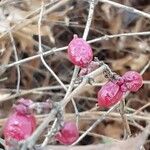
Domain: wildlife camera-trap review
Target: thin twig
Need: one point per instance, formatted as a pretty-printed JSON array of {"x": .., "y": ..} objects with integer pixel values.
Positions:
[
  {"x": 127, "y": 8},
  {"x": 89, "y": 19},
  {"x": 49, "y": 133},
  {"x": 41, "y": 51},
  {"x": 140, "y": 109},
  {"x": 51, "y": 51},
  {"x": 85, "y": 34},
  {"x": 16, "y": 59},
  {"x": 127, "y": 131},
  {"x": 101, "y": 118}
]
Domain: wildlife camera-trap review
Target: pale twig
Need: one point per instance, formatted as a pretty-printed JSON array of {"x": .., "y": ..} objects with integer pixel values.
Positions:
[
  {"x": 101, "y": 118},
  {"x": 16, "y": 59},
  {"x": 101, "y": 136},
  {"x": 49, "y": 133},
  {"x": 78, "y": 90},
  {"x": 85, "y": 34},
  {"x": 145, "y": 68},
  {"x": 140, "y": 109},
  {"x": 44, "y": 62},
  {"x": 41, "y": 51},
  {"x": 94, "y": 115},
  {"x": 89, "y": 19},
  {"x": 51, "y": 51},
  {"x": 127, "y": 8},
  {"x": 127, "y": 131}
]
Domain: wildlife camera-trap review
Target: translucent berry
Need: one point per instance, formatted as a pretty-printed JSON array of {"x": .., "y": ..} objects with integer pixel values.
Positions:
[
  {"x": 132, "y": 80},
  {"x": 80, "y": 52},
  {"x": 109, "y": 94},
  {"x": 68, "y": 134},
  {"x": 19, "y": 125}
]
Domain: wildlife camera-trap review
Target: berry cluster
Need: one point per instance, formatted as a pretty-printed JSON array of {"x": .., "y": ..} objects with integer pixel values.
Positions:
[
  {"x": 21, "y": 123},
  {"x": 113, "y": 91},
  {"x": 80, "y": 53}
]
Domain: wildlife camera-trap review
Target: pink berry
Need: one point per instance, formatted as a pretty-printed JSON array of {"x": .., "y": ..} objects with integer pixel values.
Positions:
[
  {"x": 80, "y": 52},
  {"x": 132, "y": 80},
  {"x": 109, "y": 95},
  {"x": 22, "y": 106},
  {"x": 19, "y": 125},
  {"x": 68, "y": 134},
  {"x": 91, "y": 67}
]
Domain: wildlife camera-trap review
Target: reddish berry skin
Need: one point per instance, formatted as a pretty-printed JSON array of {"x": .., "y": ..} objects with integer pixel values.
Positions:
[
  {"x": 91, "y": 67},
  {"x": 19, "y": 125},
  {"x": 68, "y": 134},
  {"x": 133, "y": 81},
  {"x": 80, "y": 52},
  {"x": 22, "y": 106},
  {"x": 109, "y": 95}
]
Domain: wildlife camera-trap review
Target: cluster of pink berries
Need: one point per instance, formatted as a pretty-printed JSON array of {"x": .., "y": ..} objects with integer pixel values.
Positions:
[
  {"x": 22, "y": 122},
  {"x": 113, "y": 91},
  {"x": 80, "y": 53}
]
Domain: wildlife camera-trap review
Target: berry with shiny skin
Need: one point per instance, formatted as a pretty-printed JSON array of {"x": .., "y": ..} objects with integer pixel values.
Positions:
[
  {"x": 68, "y": 134},
  {"x": 80, "y": 52},
  {"x": 132, "y": 81},
  {"x": 20, "y": 124},
  {"x": 109, "y": 94}
]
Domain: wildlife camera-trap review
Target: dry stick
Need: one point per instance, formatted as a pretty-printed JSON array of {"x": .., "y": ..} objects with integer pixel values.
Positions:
[
  {"x": 145, "y": 68},
  {"x": 78, "y": 90},
  {"x": 101, "y": 118},
  {"x": 44, "y": 62},
  {"x": 40, "y": 89},
  {"x": 41, "y": 51},
  {"x": 140, "y": 109},
  {"x": 127, "y": 131},
  {"x": 49, "y": 134},
  {"x": 16, "y": 59},
  {"x": 89, "y": 19},
  {"x": 127, "y": 8},
  {"x": 51, "y": 51},
  {"x": 94, "y": 115},
  {"x": 30, "y": 144},
  {"x": 85, "y": 34}
]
